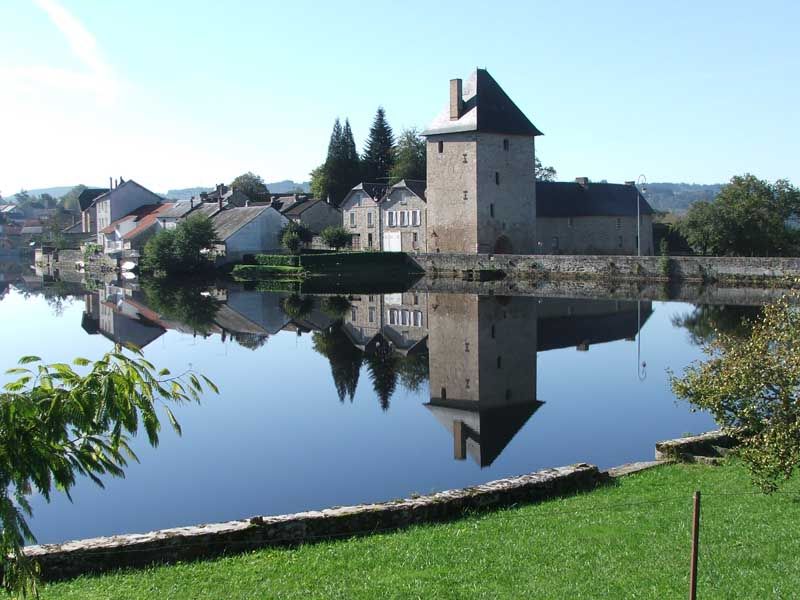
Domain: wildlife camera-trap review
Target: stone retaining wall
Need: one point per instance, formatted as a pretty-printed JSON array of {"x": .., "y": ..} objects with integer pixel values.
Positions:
[
  {"x": 711, "y": 444},
  {"x": 71, "y": 559},
  {"x": 687, "y": 268},
  {"x": 628, "y": 289}
]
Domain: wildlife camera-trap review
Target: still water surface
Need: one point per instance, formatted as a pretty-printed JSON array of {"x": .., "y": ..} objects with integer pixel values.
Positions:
[{"x": 328, "y": 403}]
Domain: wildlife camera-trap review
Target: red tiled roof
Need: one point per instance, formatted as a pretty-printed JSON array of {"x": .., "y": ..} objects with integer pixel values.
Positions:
[{"x": 144, "y": 217}]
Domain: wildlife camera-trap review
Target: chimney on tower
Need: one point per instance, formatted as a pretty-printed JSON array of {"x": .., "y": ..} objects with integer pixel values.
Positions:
[{"x": 456, "y": 99}]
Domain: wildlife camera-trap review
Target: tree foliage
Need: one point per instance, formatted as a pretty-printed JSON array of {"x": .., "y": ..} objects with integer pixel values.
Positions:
[
  {"x": 345, "y": 359},
  {"x": 751, "y": 386},
  {"x": 180, "y": 250},
  {"x": 705, "y": 321},
  {"x": 252, "y": 186},
  {"x": 57, "y": 424},
  {"x": 410, "y": 157},
  {"x": 379, "y": 155},
  {"x": 749, "y": 217},
  {"x": 294, "y": 236},
  {"x": 341, "y": 170},
  {"x": 336, "y": 237},
  {"x": 542, "y": 173},
  {"x": 183, "y": 301}
]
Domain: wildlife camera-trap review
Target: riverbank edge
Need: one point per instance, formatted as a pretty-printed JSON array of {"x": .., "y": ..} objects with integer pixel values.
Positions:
[{"x": 96, "y": 555}]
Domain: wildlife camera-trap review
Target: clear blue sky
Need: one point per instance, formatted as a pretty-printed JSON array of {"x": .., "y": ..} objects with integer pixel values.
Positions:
[{"x": 184, "y": 93}]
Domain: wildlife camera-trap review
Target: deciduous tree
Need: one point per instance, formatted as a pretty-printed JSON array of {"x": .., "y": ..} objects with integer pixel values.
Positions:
[
  {"x": 410, "y": 157},
  {"x": 252, "y": 186}
]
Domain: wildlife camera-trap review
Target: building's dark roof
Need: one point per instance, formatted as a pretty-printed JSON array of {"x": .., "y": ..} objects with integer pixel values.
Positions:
[
  {"x": 231, "y": 220},
  {"x": 109, "y": 193},
  {"x": 88, "y": 195},
  {"x": 568, "y": 199},
  {"x": 298, "y": 208},
  {"x": 415, "y": 186},
  {"x": 572, "y": 331},
  {"x": 487, "y": 108}
]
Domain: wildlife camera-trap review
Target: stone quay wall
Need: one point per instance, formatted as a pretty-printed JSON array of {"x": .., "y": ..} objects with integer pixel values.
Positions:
[
  {"x": 654, "y": 268},
  {"x": 59, "y": 561}
]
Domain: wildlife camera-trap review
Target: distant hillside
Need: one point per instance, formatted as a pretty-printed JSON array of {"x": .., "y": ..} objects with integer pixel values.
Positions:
[
  {"x": 276, "y": 187},
  {"x": 677, "y": 197},
  {"x": 55, "y": 192}
]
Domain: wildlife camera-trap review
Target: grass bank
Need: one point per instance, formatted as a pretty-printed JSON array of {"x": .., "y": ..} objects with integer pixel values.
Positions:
[{"x": 626, "y": 541}]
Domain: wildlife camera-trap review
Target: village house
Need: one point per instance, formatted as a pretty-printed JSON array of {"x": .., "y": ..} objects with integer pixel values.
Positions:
[
  {"x": 11, "y": 212},
  {"x": 583, "y": 217},
  {"x": 314, "y": 213},
  {"x": 132, "y": 231},
  {"x": 119, "y": 202},
  {"x": 389, "y": 218},
  {"x": 89, "y": 209},
  {"x": 247, "y": 231}
]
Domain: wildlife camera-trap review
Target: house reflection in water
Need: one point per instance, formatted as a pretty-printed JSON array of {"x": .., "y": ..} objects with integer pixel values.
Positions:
[{"x": 479, "y": 353}]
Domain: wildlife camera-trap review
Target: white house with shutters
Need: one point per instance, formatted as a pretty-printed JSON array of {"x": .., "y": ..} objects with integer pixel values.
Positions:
[{"x": 389, "y": 218}]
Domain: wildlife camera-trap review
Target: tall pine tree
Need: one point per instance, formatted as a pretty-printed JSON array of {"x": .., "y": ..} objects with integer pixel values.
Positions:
[
  {"x": 341, "y": 169},
  {"x": 378, "y": 156},
  {"x": 410, "y": 157}
]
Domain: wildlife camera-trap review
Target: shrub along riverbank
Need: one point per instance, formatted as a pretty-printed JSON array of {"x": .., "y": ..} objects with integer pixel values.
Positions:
[
  {"x": 627, "y": 540},
  {"x": 352, "y": 266}
]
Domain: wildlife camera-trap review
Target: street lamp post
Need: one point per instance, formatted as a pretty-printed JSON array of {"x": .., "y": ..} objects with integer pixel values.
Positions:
[{"x": 643, "y": 181}]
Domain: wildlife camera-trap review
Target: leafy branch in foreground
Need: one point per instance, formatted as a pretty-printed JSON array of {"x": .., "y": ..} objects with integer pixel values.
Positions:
[
  {"x": 751, "y": 386},
  {"x": 57, "y": 424}
]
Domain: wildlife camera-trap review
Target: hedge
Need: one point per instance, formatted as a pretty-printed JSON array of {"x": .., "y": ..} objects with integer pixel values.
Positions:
[
  {"x": 344, "y": 260},
  {"x": 253, "y": 272},
  {"x": 278, "y": 260}
]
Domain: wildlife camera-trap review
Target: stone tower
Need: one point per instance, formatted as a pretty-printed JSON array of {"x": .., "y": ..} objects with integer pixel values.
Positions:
[{"x": 481, "y": 189}]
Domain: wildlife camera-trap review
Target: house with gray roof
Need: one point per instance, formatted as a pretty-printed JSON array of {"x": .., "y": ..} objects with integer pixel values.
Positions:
[
  {"x": 247, "y": 230},
  {"x": 584, "y": 217},
  {"x": 314, "y": 213}
]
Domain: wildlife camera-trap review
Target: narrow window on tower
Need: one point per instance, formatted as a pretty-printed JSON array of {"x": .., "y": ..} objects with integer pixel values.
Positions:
[
  {"x": 491, "y": 210},
  {"x": 440, "y": 146},
  {"x": 465, "y": 194},
  {"x": 505, "y": 145},
  {"x": 496, "y": 178}
]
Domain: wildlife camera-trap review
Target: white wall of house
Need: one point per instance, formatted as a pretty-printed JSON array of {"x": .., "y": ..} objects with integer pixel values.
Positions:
[{"x": 259, "y": 236}]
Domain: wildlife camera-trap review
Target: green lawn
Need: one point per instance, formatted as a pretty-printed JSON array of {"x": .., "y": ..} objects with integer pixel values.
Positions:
[{"x": 627, "y": 541}]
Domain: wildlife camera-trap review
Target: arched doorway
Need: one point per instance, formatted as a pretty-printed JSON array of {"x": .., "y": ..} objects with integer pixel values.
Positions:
[{"x": 503, "y": 246}]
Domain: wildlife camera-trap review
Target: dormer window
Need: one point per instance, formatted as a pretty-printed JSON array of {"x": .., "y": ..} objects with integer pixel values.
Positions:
[
  {"x": 505, "y": 145},
  {"x": 496, "y": 178},
  {"x": 440, "y": 146}
]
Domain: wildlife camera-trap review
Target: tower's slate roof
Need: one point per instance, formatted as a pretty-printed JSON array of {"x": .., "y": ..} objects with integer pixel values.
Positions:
[
  {"x": 487, "y": 108},
  {"x": 569, "y": 199}
]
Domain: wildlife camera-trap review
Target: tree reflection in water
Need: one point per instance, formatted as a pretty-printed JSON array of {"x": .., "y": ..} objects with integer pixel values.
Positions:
[{"x": 706, "y": 320}]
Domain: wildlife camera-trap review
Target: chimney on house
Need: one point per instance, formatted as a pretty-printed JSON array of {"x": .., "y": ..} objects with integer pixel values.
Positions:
[
  {"x": 582, "y": 181},
  {"x": 456, "y": 100},
  {"x": 191, "y": 203},
  {"x": 110, "y": 183},
  {"x": 219, "y": 202}
]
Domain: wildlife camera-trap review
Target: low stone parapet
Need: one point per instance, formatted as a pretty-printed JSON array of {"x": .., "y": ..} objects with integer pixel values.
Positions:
[
  {"x": 713, "y": 444},
  {"x": 71, "y": 559}
]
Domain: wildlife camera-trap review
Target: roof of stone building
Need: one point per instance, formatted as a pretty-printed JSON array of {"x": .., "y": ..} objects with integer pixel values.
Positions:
[
  {"x": 207, "y": 209},
  {"x": 487, "y": 108},
  {"x": 298, "y": 208},
  {"x": 231, "y": 220},
  {"x": 87, "y": 196},
  {"x": 176, "y": 210},
  {"x": 571, "y": 199},
  {"x": 110, "y": 193},
  {"x": 569, "y": 331},
  {"x": 416, "y": 186}
]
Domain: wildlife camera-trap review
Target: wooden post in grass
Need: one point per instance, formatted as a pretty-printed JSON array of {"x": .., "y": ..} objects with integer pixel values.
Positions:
[{"x": 695, "y": 543}]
